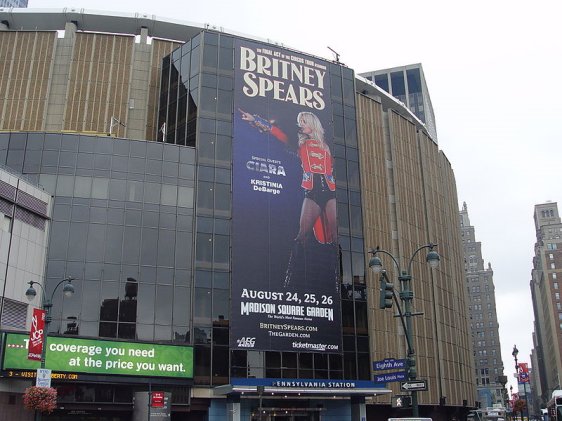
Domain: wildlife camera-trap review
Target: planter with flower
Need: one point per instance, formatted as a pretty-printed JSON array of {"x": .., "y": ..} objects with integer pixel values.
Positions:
[{"x": 42, "y": 399}]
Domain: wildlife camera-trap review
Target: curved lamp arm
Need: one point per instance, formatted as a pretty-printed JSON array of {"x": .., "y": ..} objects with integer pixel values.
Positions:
[
  {"x": 377, "y": 250},
  {"x": 68, "y": 290},
  {"x": 432, "y": 256}
]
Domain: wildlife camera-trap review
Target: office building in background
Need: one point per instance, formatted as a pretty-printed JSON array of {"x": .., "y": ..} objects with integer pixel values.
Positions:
[
  {"x": 408, "y": 85},
  {"x": 546, "y": 277},
  {"x": 489, "y": 370}
]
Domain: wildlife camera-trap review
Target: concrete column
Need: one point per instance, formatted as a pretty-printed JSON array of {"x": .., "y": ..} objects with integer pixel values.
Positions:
[
  {"x": 144, "y": 35},
  {"x": 70, "y": 30},
  {"x": 358, "y": 408}
]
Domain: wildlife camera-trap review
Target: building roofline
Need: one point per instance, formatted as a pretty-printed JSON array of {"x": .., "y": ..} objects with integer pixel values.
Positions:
[
  {"x": 87, "y": 20},
  {"x": 125, "y": 23}
]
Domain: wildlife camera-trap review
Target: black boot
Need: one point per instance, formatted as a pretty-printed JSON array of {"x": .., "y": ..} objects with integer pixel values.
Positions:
[{"x": 295, "y": 253}]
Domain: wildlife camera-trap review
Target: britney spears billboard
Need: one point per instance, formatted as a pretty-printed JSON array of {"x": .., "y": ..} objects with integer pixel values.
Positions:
[{"x": 285, "y": 275}]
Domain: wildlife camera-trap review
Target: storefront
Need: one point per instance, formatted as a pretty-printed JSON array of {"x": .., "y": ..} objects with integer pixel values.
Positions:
[
  {"x": 296, "y": 399},
  {"x": 109, "y": 380}
]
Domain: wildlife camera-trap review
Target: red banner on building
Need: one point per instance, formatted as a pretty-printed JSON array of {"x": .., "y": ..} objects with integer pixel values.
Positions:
[
  {"x": 523, "y": 374},
  {"x": 36, "y": 335}
]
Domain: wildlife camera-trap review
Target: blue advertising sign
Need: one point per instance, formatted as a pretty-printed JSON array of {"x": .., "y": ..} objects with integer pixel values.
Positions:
[
  {"x": 390, "y": 377},
  {"x": 389, "y": 364},
  {"x": 285, "y": 271},
  {"x": 307, "y": 383}
]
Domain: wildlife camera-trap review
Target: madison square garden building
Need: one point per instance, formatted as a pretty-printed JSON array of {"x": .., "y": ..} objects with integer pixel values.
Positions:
[{"x": 215, "y": 198}]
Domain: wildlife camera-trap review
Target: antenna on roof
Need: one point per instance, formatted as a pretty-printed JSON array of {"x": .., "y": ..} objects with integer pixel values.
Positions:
[
  {"x": 114, "y": 122},
  {"x": 335, "y": 53}
]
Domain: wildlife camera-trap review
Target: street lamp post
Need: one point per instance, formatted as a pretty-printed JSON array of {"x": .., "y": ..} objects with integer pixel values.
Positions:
[
  {"x": 502, "y": 380},
  {"x": 406, "y": 295},
  {"x": 515, "y": 353},
  {"x": 68, "y": 290},
  {"x": 511, "y": 400}
]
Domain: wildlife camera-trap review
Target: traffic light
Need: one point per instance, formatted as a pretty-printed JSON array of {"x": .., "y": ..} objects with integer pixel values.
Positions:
[
  {"x": 387, "y": 292},
  {"x": 411, "y": 367}
]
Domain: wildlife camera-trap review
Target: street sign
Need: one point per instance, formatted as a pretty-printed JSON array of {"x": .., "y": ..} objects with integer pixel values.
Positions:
[
  {"x": 389, "y": 364},
  {"x": 413, "y": 385},
  {"x": 390, "y": 377},
  {"x": 43, "y": 378}
]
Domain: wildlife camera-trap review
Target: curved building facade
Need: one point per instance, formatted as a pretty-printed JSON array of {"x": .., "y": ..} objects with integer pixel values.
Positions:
[{"x": 215, "y": 196}]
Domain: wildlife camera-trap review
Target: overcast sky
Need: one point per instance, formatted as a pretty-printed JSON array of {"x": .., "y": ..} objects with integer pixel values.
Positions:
[{"x": 493, "y": 70}]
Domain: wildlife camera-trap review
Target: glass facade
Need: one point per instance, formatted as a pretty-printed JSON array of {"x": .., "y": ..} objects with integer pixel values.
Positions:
[
  {"x": 122, "y": 225},
  {"x": 211, "y": 86},
  {"x": 407, "y": 84}
]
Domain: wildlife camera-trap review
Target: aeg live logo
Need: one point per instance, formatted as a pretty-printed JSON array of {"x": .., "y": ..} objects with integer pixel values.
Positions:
[{"x": 246, "y": 342}]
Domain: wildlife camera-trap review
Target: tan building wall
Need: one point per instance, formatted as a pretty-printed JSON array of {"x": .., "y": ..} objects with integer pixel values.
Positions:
[
  {"x": 26, "y": 59},
  {"x": 80, "y": 82},
  {"x": 410, "y": 199}
]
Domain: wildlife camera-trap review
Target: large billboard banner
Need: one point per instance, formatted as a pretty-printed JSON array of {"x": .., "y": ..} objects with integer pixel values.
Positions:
[
  {"x": 285, "y": 271},
  {"x": 90, "y": 356}
]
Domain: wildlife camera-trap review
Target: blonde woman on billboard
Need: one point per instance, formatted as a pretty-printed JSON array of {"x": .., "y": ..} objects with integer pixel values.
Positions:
[{"x": 318, "y": 212}]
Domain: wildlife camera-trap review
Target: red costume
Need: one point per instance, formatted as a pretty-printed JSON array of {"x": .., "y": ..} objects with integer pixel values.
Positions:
[{"x": 315, "y": 160}]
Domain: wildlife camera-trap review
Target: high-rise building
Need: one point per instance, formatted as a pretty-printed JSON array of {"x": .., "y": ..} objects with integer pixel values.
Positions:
[
  {"x": 546, "y": 276},
  {"x": 13, "y": 3},
  {"x": 408, "y": 85},
  {"x": 215, "y": 197},
  {"x": 490, "y": 378}
]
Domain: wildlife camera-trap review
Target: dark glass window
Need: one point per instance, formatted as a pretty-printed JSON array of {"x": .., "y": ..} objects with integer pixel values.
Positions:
[
  {"x": 164, "y": 297},
  {"x": 224, "y": 103},
  {"x": 382, "y": 82},
  {"x": 95, "y": 245},
  {"x": 226, "y": 58},
  {"x": 202, "y": 374},
  {"x": 221, "y": 304},
  {"x": 350, "y": 368},
  {"x": 398, "y": 85},
  {"x": 202, "y": 305},
  {"x": 208, "y": 99},
  {"x": 305, "y": 366},
  {"x": 414, "y": 81},
  {"x": 220, "y": 365},
  {"x": 335, "y": 87}
]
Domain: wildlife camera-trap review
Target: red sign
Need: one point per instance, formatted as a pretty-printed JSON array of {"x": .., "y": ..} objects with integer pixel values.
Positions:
[
  {"x": 157, "y": 400},
  {"x": 36, "y": 335},
  {"x": 523, "y": 375}
]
